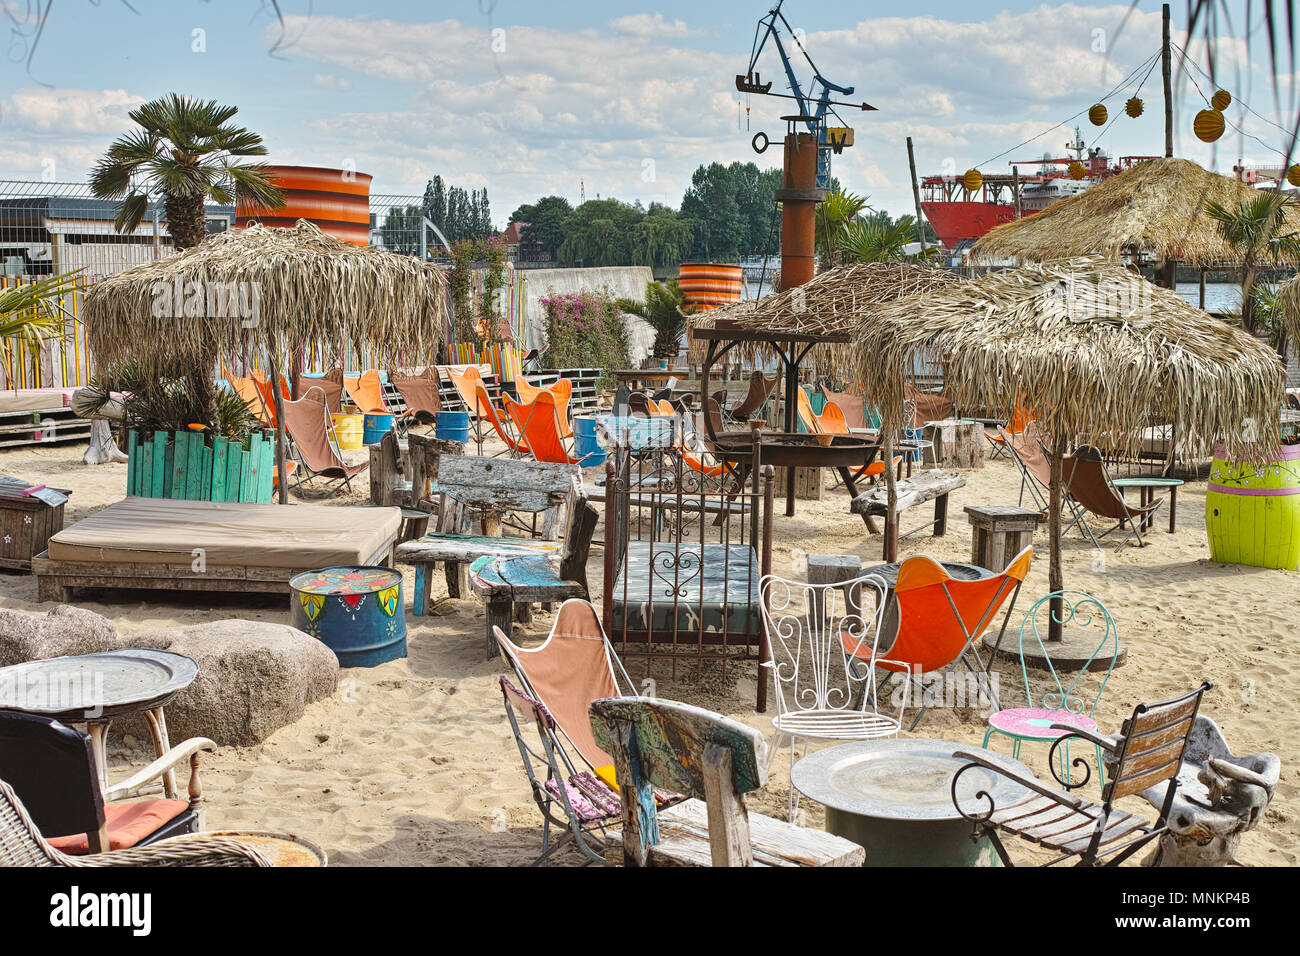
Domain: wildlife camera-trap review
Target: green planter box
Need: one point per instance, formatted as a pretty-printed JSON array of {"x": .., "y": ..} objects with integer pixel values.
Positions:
[{"x": 191, "y": 466}]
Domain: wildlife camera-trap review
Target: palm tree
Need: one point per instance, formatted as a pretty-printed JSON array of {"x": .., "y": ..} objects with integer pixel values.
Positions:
[
  {"x": 879, "y": 240},
  {"x": 833, "y": 217},
  {"x": 1269, "y": 314},
  {"x": 186, "y": 152},
  {"x": 664, "y": 310},
  {"x": 1259, "y": 229}
]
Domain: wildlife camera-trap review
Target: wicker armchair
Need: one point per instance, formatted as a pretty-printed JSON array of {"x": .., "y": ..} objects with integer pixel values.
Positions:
[{"x": 21, "y": 844}]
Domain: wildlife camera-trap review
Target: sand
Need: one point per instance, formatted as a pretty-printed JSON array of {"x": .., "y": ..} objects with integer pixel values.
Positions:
[{"x": 413, "y": 763}]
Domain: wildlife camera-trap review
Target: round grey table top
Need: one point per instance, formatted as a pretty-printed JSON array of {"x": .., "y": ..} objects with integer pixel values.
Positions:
[
  {"x": 897, "y": 779},
  {"x": 956, "y": 570},
  {"x": 1154, "y": 481},
  {"x": 96, "y": 686}
]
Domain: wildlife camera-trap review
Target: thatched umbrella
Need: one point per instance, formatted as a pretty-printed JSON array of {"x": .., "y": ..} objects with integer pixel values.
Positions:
[
  {"x": 1156, "y": 207},
  {"x": 1288, "y": 300},
  {"x": 1092, "y": 349},
  {"x": 289, "y": 287}
]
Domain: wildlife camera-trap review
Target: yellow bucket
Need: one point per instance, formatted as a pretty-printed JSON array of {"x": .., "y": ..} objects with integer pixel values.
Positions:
[{"x": 349, "y": 430}]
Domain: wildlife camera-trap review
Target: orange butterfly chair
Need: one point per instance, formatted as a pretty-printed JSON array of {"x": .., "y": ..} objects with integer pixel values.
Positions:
[
  {"x": 251, "y": 393},
  {"x": 936, "y": 619},
  {"x": 832, "y": 422},
  {"x": 367, "y": 393},
  {"x": 1020, "y": 420},
  {"x": 539, "y": 427},
  {"x": 472, "y": 389},
  {"x": 662, "y": 408},
  {"x": 562, "y": 390}
]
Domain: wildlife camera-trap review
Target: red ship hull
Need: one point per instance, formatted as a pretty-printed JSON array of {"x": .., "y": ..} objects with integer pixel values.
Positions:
[{"x": 955, "y": 221}]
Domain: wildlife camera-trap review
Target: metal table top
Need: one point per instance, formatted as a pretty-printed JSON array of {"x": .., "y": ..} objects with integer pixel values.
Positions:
[
  {"x": 1153, "y": 481},
  {"x": 955, "y": 569},
  {"x": 897, "y": 779},
  {"x": 96, "y": 686}
]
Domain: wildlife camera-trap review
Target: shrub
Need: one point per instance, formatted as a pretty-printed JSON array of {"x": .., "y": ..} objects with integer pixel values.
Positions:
[{"x": 585, "y": 330}]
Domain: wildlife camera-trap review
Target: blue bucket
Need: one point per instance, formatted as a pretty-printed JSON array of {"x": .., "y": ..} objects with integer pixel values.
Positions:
[
  {"x": 375, "y": 427},
  {"x": 586, "y": 448},
  {"x": 453, "y": 426},
  {"x": 356, "y": 612}
]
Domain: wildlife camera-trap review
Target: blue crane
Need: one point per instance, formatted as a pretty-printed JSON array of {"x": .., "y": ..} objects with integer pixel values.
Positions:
[{"x": 814, "y": 106}]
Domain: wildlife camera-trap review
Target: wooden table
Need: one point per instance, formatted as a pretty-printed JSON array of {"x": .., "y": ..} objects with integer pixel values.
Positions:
[
  {"x": 1147, "y": 492},
  {"x": 640, "y": 378},
  {"x": 1000, "y": 532},
  {"x": 893, "y": 797},
  {"x": 96, "y": 688}
]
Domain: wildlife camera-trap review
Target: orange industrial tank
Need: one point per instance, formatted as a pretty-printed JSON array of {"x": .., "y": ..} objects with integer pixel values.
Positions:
[
  {"x": 336, "y": 200},
  {"x": 707, "y": 285}
]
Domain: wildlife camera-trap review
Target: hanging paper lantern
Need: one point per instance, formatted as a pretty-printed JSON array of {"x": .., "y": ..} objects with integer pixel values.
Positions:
[
  {"x": 1077, "y": 170},
  {"x": 972, "y": 180},
  {"x": 1133, "y": 107},
  {"x": 1221, "y": 100},
  {"x": 1208, "y": 125},
  {"x": 1293, "y": 175},
  {"x": 1097, "y": 115}
]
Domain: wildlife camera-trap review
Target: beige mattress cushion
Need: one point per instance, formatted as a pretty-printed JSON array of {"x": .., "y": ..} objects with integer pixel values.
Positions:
[
  {"x": 32, "y": 399},
  {"x": 166, "y": 531}
]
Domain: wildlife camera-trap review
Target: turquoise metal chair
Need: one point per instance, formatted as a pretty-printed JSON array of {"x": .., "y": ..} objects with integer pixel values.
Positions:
[{"x": 1060, "y": 702}]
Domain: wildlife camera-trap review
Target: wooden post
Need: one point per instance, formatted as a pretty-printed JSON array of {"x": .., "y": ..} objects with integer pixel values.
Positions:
[
  {"x": 916, "y": 194},
  {"x": 1015, "y": 188},
  {"x": 281, "y": 447},
  {"x": 1055, "y": 581},
  {"x": 891, "y": 497},
  {"x": 1166, "y": 72},
  {"x": 1202, "y": 289}
]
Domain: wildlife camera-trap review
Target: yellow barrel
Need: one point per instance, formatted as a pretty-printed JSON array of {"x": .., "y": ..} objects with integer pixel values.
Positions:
[
  {"x": 707, "y": 285},
  {"x": 349, "y": 430},
  {"x": 1252, "y": 511}
]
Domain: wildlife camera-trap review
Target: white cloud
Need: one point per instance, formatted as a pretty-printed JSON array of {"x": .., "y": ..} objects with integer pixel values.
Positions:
[
  {"x": 646, "y": 25},
  {"x": 328, "y": 81},
  {"x": 70, "y": 111}
]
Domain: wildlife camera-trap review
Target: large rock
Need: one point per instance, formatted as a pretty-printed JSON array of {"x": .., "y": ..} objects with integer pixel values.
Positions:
[
  {"x": 254, "y": 677},
  {"x": 66, "y": 630}
]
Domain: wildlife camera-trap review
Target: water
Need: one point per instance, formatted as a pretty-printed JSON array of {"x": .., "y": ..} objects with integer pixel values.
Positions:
[{"x": 1219, "y": 296}]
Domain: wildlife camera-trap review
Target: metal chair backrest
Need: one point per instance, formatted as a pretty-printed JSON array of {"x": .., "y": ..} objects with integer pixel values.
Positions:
[
  {"x": 1063, "y": 691},
  {"x": 815, "y": 631},
  {"x": 52, "y": 770}
]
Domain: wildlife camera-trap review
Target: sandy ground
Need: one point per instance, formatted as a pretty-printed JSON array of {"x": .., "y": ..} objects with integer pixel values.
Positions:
[{"x": 413, "y": 763}]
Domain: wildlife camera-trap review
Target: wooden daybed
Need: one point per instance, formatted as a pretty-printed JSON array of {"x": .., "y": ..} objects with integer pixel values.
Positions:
[{"x": 210, "y": 546}]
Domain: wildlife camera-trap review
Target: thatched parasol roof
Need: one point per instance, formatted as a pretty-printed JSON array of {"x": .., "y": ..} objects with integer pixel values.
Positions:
[
  {"x": 1157, "y": 207},
  {"x": 1091, "y": 347},
  {"x": 1288, "y": 298},
  {"x": 828, "y": 306},
  {"x": 309, "y": 287}
]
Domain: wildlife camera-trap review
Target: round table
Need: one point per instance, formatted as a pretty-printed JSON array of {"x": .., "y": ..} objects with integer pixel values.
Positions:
[
  {"x": 894, "y": 798},
  {"x": 1147, "y": 492},
  {"x": 280, "y": 849},
  {"x": 95, "y": 688}
]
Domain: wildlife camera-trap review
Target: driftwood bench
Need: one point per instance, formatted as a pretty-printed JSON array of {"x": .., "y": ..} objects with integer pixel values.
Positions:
[
  {"x": 493, "y": 487},
  {"x": 508, "y": 583},
  {"x": 922, "y": 487}
]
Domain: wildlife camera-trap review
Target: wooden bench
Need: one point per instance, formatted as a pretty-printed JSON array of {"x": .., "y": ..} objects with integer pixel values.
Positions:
[
  {"x": 493, "y": 487},
  {"x": 507, "y": 583},
  {"x": 922, "y": 487}
]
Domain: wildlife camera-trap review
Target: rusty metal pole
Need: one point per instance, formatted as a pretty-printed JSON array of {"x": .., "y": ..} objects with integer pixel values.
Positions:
[{"x": 798, "y": 197}]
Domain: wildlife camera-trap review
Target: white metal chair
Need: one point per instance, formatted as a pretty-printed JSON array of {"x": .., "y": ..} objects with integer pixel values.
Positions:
[{"x": 815, "y": 631}]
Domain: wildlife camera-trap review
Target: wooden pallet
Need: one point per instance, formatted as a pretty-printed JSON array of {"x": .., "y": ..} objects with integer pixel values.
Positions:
[
  {"x": 182, "y": 465},
  {"x": 42, "y": 427}
]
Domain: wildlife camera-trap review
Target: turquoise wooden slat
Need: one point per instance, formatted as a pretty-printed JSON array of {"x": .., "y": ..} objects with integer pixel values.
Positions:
[
  {"x": 248, "y": 482},
  {"x": 194, "y": 468},
  {"x": 205, "y": 469},
  {"x": 220, "y": 453},
  {"x": 234, "y": 470},
  {"x": 266, "y": 483},
  {"x": 169, "y": 453},
  {"x": 179, "y": 464},
  {"x": 145, "y": 489},
  {"x": 158, "y": 483},
  {"x": 132, "y": 461}
]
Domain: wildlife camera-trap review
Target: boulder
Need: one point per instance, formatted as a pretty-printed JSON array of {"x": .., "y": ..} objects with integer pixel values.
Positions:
[
  {"x": 63, "y": 631},
  {"x": 254, "y": 678}
]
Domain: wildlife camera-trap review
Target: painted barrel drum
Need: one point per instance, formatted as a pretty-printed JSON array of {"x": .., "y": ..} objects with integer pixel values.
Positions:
[
  {"x": 357, "y": 612},
  {"x": 335, "y": 200},
  {"x": 452, "y": 426},
  {"x": 585, "y": 445},
  {"x": 708, "y": 285},
  {"x": 375, "y": 427},
  {"x": 349, "y": 430},
  {"x": 1252, "y": 511}
]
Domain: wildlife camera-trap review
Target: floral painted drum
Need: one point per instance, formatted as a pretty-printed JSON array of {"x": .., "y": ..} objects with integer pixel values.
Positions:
[{"x": 357, "y": 612}]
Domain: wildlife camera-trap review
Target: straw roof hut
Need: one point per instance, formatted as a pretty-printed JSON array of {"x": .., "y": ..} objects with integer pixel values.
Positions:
[
  {"x": 1088, "y": 345},
  {"x": 825, "y": 307},
  {"x": 288, "y": 287},
  {"x": 1288, "y": 297},
  {"x": 1156, "y": 207}
]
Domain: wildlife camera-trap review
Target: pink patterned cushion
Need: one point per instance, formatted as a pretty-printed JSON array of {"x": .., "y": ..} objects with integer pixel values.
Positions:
[
  {"x": 1035, "y": 723},
  {"x": 590, "y": 798}
]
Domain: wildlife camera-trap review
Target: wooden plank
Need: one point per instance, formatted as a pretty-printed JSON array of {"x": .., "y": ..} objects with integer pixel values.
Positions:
[
  {"x": 266, "y": 471},
  {"x": 159, "y": 481},
  {"x": 132, "y": 461},
  {"x": 194, "y": 466},
  {"x": 220, "y": 453},
  {"x": 729, "y": 843},
  {"x": 205, "y": 467},
  {"x": 234, "y": 470},
  {"x": 252, "y": 468},
  {"x": 169, "y": 464},
  {"x": 180, "y": 464},
  {"x": 439, "y": 546},
  {"x": 501, "y": 484},
  {"x": 145, "y": 486},
  {"x": 920, "y": 488}
]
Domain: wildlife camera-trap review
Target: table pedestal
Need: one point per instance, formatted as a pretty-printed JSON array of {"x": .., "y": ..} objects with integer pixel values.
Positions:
[{"x": 912, "y": 842}]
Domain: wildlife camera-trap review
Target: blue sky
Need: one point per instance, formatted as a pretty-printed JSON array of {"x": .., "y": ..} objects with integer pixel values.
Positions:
[{"x": 624, "y": 97}]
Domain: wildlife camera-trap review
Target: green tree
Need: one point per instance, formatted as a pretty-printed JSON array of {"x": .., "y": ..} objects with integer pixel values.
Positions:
[
  {"x": 546, "y": 220},
  {"x": 186, "y": 151},
  {"x": 435, "y": 202},
  {"x": 663, "y": 309},
  {"x": 833, "y": 217},
  {"x": 880, "y": 239},
  {"x": 1259, "y": 230}
]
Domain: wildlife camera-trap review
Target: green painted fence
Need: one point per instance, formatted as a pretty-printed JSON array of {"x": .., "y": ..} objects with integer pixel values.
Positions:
[{"x": 194, "y": 466}]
